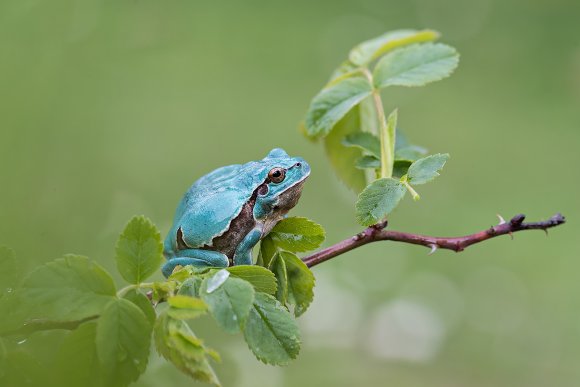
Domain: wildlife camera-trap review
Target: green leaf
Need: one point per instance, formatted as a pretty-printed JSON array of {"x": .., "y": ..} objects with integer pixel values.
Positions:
[
  {"x": 67, "y": 289},
  {"x": 410, "y": 153},
  {"x": 361, "y": 118},
  {"x": 139, "y": 250},
  {"x": 366, "y": 141},
  {"x": 341, "y": 157},
  {"x": 190, "y": 287},
  {"x": 9, "y": 273},
  {"x": 333, "y": 103},
  {"x": 366, "y": 161},
  {"x": 300, "y": 282},
  {"x": 230, "y": 303},
  {"x": 402, "y": 162},
  {"x": 378, "y": 200},
  {"x": 426, "y": 169},
  {"x": 271, "y": 332},
  {"x": 262, "y": 279},
  {"x": 143, "y": 303},
  {"x": 76, "y": 362},
  {"x": 368, "y": 119},
  {"x": 400, "y": 168},
  {"x": 278, "y": 267},
  {"x": 345, "y": 70},
  {"x": 297, "y": 234},
  {"x": 416, "y": 65},
  {"x": 123, "y": 339},
  {"x": 176, "y": 342},
  {"x": 267, "y": 250},
  {"x": 371, "y": 49},
  {"x": 185, "y": 307}
]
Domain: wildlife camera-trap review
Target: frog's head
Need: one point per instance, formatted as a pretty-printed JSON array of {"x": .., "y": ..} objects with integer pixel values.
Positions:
[{"x": 282, "y": 186}]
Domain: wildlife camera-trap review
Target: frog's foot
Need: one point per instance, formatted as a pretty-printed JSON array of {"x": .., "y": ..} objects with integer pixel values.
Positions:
[{"x": 195, "y": 257}]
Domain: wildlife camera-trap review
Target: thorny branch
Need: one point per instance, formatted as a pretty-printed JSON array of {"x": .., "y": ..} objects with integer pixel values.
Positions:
[
  {"x": 377, "y": 233},
  {"x": 371, "y": 234}
]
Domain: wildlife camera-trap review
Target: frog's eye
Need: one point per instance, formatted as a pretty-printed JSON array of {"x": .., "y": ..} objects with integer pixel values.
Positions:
[{"x": 276, "y": 175}]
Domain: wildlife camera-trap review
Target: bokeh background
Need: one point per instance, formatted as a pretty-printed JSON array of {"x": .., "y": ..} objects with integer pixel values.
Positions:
[{"x": 113, "y": 108}]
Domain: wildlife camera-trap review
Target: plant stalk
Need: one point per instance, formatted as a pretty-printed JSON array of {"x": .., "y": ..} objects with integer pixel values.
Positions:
[
  {"x": 386, "y": 134},
  {"x": 378, "y": 233}
]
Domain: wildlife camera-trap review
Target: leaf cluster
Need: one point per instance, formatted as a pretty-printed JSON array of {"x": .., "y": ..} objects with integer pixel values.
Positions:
[
  {"x": 104, "y": 333},
  {"x": 277, "y": 253},
  {"x": 365, "y": 147}
]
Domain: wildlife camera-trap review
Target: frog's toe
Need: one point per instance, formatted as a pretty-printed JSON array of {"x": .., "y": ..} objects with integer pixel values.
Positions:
[
  {"x": 195, "y": 257},
  {"x": 170, "y": 265}
]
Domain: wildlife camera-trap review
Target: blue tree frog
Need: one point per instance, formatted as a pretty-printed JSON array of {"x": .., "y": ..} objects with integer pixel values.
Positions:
[{"x": 225, "y": 213}]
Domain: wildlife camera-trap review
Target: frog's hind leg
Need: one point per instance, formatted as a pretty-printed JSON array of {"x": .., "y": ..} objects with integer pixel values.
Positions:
[{"x": 195, "y": 257}]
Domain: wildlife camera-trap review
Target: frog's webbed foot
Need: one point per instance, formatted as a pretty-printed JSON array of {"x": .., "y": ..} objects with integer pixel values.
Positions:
[{"x": 195, "y": 257}]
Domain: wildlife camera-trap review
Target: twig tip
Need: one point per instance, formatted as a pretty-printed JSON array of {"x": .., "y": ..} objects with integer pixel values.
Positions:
[{"x": 558, "y": 218}]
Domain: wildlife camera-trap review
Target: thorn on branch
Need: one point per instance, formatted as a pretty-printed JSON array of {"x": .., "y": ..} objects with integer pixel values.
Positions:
[
  {"x": 433, "y": 249},
  {"x": 501, "y": 219}
]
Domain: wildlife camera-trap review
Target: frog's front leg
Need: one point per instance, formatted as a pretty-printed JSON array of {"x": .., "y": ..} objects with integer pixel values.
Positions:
[
  {"x": 243, "y": 254},
  {"x": 195, "y": 257}
]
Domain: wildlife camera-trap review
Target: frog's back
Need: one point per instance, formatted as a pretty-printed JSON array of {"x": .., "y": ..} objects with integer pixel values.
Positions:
[{"x": 213, "y": 201}]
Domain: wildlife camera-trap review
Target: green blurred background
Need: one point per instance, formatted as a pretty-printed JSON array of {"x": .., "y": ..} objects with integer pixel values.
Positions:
[{"x": 113, "y": 108}]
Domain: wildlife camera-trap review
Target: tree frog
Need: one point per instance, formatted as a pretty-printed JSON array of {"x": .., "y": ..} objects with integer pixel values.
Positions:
[{"x": 225, "y": 213}]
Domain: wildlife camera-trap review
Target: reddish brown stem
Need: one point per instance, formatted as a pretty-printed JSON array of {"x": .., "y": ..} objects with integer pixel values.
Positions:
[{"x": 378, "y": 233}]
